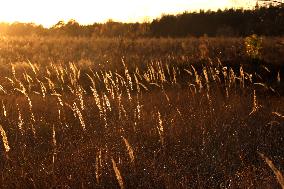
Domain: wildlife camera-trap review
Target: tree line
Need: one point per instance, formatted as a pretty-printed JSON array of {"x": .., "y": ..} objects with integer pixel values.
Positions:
[{"x": 267, "y": 21}]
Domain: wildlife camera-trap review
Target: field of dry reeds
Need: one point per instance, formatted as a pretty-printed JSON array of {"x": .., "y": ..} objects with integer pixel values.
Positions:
[{"x": 141, "y": 113}]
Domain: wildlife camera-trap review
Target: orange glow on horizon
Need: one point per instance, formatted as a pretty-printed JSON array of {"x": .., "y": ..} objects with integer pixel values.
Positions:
[{"x": 50, "y": 12}]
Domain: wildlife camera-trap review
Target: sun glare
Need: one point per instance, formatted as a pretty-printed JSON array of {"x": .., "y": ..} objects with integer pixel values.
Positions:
[{"x": 50, "y": 12}]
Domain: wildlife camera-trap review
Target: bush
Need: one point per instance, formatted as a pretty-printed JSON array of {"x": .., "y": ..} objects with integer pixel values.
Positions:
[{"x": 253, "y": 45}]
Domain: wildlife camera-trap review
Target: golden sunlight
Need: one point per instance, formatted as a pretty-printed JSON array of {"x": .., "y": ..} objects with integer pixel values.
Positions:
[{"x": 50, "y": 12}]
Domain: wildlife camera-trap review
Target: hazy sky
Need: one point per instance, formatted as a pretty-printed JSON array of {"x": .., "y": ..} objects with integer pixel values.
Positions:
[{"x": 49, "y": 12}]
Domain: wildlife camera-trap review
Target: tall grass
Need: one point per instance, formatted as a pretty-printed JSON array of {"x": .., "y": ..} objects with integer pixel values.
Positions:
[{"x": 156, "y": 125}]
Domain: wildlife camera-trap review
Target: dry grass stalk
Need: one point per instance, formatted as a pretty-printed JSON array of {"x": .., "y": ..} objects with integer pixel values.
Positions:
[
  {"x": 127, "y": 74},
  {"x": 160, "y": 128},
  {"x": 161, "y": 73},
  {"x": 98, "y": 165},
  {"x": 128, "y": 94},
  {"x": 77, "y": 111},
  {"x": 4, "y": 109},
  {"x": 197, "y": 79},
  {"x": 4, "y": 139},
  {"x": 129, "y": 149},
  {"x": 60, "y": 101},
  {"x": 42, "y": 88},
  {"x": 33, "y": 67},
  {"x": 2, "y": 89},
  {"x": 54, "y": 147},
  {"x": 277, "y": 173},
  {"x": 20, "y": 120},
  {"x": 96, "y": 96},
  {"x": 137, "y": 83},
  {"x": 278, "y": 114},
  {"x": 80, "y": 96},
  {"x": 232, "y": 77},
  {"x": 226, "y": 80},
  {"x": 51, "y": 84},
  {"x": 53, "y": 137},
  {"x": 174, "y": 81},
  {"x": 24, "y": 92},
  {"x": 138, "y": 108},
  {"x": 117, "y": 174},
  {"x": 104, "y": 106},
  {"x": 121, "y": 108},
  {"x": 107, "y": 102},
  {"x": 13, "y": 70},
  {"x": 206, "y": 78},
  {"x": 165, "y": 94},
  {"x": 255, "y": 105}
]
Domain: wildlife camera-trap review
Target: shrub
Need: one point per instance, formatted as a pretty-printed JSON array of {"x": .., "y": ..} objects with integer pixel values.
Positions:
[{"x": 253, "y": 45}]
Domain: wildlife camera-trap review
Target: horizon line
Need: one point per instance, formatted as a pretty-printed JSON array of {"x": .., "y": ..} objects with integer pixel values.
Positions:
[{"x": 144, "y": 19}]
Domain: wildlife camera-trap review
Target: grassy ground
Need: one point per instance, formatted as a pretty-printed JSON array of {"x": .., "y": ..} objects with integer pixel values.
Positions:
[{"x": 155, "y": 113}]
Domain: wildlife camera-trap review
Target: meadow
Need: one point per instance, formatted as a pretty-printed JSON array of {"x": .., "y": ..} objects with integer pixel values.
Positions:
[{"x": 141, "y": 113}]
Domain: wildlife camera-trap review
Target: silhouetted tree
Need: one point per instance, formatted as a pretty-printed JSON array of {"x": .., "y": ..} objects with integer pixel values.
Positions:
[{"x": 231, "y": 22}]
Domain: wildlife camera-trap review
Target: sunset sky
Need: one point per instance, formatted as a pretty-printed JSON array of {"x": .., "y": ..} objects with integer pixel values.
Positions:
[{"x": 50, "y": 12}]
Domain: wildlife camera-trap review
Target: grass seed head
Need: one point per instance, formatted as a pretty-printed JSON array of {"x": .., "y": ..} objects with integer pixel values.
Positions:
[
  {"x": 117, "y": 174},
  {"x": 4, "y": 139}
]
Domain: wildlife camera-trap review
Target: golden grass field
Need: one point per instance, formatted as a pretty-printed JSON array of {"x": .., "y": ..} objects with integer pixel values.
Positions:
[{"x": 141, "y": 113}]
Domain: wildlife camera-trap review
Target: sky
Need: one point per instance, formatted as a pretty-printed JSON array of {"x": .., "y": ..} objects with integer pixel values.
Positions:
[{"x": 49, "y": 12}]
